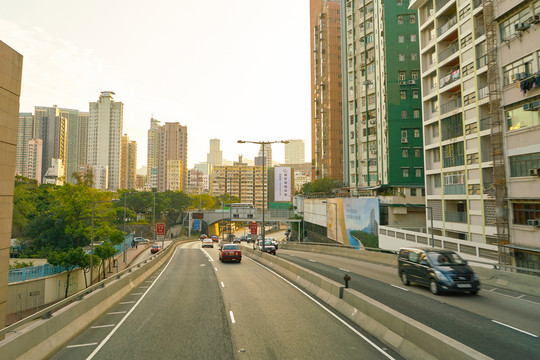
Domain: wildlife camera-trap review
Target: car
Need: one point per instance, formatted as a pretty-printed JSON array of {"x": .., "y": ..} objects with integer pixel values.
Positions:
[
  {"x": 230, "y": 252},
  {"x": 214, "y": 238},
  {"x": 140, "y": 240},
  {"x": 208, "y": 243},
  {"x": 268, "y": 246},
  {"x": 439, "y": 269},
  {"x": 237, "y": 240},
  {"x": 154, "y": 249},
  {"x": 203, "y": 236},
  {"x": 243, "y": 238},
  {"x": 249, "y": 238}
]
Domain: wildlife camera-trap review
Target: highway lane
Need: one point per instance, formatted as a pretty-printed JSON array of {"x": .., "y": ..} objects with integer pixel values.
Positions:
[
  {"x": 198, "y": 308},
  {"x": 472, "y": 320}
]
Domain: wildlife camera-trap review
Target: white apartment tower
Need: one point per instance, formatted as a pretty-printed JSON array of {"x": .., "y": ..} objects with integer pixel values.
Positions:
[
  {"x": 104, "y": 136},
  {"x": 152, "y": 154},
  {"x": 295, "y": 152},
  {"x": 215, "y": 156}
]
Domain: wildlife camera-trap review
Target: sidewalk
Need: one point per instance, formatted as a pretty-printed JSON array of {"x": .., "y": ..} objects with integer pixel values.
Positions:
[{"x": 131, "y": 255}]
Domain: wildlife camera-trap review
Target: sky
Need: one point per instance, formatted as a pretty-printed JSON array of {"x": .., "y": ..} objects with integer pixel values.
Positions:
[{"x": 228, "y": 69}]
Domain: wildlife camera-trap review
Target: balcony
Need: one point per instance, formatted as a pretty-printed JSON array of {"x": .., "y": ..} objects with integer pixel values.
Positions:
[
  {"x": 449, "y": 51},
  {"x": 450, "y": 78},
  {"x": 479, "y": 31},
  {"x": 481, "y": 61},
  {"x": 451, "y": 105},
  {"x": 454, "y": 161},
  {"x": 476, "y": 3},
  {"x": 441, "y": 3},
  {"x": 455, "y": 216},
  {"x": 485, "y": 124},
  {"x": 483, "y": 92},
  {"x": 447, "y": 25}
]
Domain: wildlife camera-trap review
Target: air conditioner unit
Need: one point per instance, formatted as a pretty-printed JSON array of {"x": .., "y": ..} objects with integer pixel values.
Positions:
[
  {"x": 403, "y": 140},
  {"x": 412, "y": 82},
  {"x": 522, "y": 26},
  {"x": 533, "y": 222},
  {"x": 402, "y": 82},
  {"x": 527, "y": 107},
  {"x": 534, "y": 172},
  {"x": 534, "y": 19},
  {"x": 535, "y": 105}
]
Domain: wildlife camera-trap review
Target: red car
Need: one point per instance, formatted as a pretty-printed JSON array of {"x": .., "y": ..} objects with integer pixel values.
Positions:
[
  {"x": 154, "y": 249},
  {"x": 202, "y": 237},
  {"x": 230, "y": 252},
  {"x": 214, "y": 238}
]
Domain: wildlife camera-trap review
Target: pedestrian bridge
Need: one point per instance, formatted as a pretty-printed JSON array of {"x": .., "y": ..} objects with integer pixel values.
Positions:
[{"x": 243, "y": 214}]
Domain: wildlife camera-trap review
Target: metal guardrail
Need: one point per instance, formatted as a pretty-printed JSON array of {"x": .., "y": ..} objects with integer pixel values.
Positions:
[{"x": 47, "y": 312}]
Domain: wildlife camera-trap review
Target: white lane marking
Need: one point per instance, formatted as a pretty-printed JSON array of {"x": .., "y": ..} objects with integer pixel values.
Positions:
[
  {"x": 311, "y": 260},
  {"x": 513, "y": 328},
  {"x": 232, "y": 317},
  {"x": 207, "y": 255},
  {"x": 222, "y": 284},
  {"x": 216, "y": 269},
  {"x": 127, "y": 302},
  {"x": 81, "y": 345},
  {"x": 101, "y": 326},
  {"x": 328, "y": 311},
  {"x": 135, "y": 294},
  {"x": 104, "y": 341},
  {"x": 399, "y": 287},
  {"x": 116, "y": 312},
  {"x": 494, "y": 291},
  {"x": 343, "y": 269}
]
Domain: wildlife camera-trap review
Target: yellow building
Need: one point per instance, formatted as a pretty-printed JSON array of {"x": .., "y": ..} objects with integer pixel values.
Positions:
[{"x": 240, "y": 180}]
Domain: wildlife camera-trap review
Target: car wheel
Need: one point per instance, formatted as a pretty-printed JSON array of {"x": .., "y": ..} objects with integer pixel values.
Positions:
[
  {"x": 405, "y": 279},
  {"x": 434, "y": 287},
  {"x": 474, "y": 292}
]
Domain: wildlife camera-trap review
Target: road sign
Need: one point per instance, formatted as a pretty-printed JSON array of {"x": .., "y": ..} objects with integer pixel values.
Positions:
[
  {"x": 197, "y": 216},
  {"x": 253, "y": 228},
  {"x": 160, "y": 229},
  {"x": 196, "y": 225}
]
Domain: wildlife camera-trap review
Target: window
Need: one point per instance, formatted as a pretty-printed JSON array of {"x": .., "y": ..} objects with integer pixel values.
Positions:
[
  {"x": 414, "y": 56},
  {"x": 415, "y": 94},
  {"x": 414, "y": 75},
  {"x": 405, "y": 172},
  {"x": 401, "y": 39},
  {"x": 525, "y": 211},
  {"x": 403, "y": 114},
  {"x": 413, "y": 37},
  {"x": 399, "y": 2},
  {"x": 416, "y": 133},
  {"x": 417, "y": 152},
  {"x": 506, "y": 27},
  {"x": 434, "y": 105},
  {"x": 404, "y": 152},
  {"x": 403, "y": 94},
  {"x": 402, "y": 75},
  {"x": 412, "y": 19},
  {"x": 520, "y": 165},
  {"x": 519, "y": 118},
  {"x": 416, "y": 113},
  {"x": 403, "y": 135},
  {"x": 437, "y": 155},
  {"x": 401, "y": 57},
  {"x": 437, "y": 181},
  {"x": 523, "y": 65},
  {"x": 400, "y": 19},
  {"x": 413, "y": 191}
]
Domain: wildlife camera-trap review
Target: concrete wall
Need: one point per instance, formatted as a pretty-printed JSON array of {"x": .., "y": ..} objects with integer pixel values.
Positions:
[{"x": 10, "y": 90}]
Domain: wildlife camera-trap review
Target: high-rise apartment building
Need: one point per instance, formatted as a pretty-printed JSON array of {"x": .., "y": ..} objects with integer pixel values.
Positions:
[
  {"x": 326, "y": 82},
  {"x": 198, "y": 182},
  {"x": 267, "y": 156},
  {"x": 152, "y": 154},
  {"x": 172, "y": 157},
  {"x": 240, "y": 180},
  {"x": 10, "y": 89},
  {"x": 215, "y": 156},
  {"x": 105, "y": 123},
  {"x": 32, "y": 164},
  {"x": 128, "y": 163},
  {"x": 295, "y": 152},
  {"x": 517, "y": 23},
  {"x": 51, "y": 125},
  {"x": 463, "y": 141},
  {"x": 83, "y": 139},
  {"x": 382, "y": 137},
  {"x": 24, "y": 134},
  {"x": 73, "y": 145}
]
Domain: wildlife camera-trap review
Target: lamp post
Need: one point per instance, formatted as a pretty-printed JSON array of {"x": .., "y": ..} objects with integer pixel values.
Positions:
[
  {"x": 92, "y": 238},
  {"x": 430, "y": 208},
  {"x": 263, "y": 143}
]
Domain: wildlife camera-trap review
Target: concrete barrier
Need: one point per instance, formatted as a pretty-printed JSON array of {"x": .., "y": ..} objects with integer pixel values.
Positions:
[
  {"x": 402, "y": 334},
  {"x": 43, "y": 338}
]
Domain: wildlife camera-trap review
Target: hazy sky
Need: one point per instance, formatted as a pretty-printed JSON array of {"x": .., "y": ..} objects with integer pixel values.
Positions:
[{"x": 228, "y": 69}]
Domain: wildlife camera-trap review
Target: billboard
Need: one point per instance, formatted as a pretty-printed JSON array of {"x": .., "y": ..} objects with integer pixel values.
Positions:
[
  {"x": 353, "y": 221},
  {"x": 282, "y": 183},
  {"x": 197, "y": 225}
]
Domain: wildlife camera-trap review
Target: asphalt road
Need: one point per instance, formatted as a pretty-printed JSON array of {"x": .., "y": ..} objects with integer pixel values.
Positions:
[
  {"x": 196, "y": 307},
  {"x": 500, "y": 325}
]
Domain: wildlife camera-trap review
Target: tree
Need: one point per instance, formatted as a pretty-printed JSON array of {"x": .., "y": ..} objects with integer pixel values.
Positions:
[
  {"x": 323, "y": 185},
  {"x": 104, "y": 251},
  {"x": 69, "y": 260},
  {"x": 205, "y": 201}
]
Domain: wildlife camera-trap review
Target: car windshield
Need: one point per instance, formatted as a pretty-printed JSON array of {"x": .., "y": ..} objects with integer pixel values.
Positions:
[
  {"x": 230, "y": 247},
  {"x": 445, "y": 258}
]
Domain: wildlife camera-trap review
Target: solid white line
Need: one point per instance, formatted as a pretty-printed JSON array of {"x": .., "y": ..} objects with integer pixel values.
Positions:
[
  {"x": 399, "y": 287},
  {"x": 232, "y": 317},
  {"x": 311, "y": 260},
  {"x": 81, "y": 345},
  {"x": 101, "y": 326},
  {"x": 135, "y": 294},
  {"x": 343, "y": 269},
  {"x": 127, "y": 302},
  {"x": 116, "y": 312},
  {"x": 207, "y": 255},
  {"x": 215, "y": 269},
  {"x": 513, "y": 328},
  {"x": 222, "y": 284},
  {"x": 104, "y": 341},
  {"x": 331, "y": 313}
]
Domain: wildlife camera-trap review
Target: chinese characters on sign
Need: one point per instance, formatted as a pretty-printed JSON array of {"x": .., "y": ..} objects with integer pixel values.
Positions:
[{"x": 282, "y": 184}]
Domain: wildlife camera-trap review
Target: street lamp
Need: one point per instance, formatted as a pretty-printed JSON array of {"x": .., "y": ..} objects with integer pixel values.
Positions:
[
  {"x": 92, "y": 238},
  {"x": 263, "y": 143}
]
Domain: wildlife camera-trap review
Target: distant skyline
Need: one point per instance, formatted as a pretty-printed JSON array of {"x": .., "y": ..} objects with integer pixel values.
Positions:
[{"x": 231, "y": 70}]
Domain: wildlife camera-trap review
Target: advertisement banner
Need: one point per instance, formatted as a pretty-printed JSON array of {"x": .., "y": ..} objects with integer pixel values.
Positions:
[
  {"x": 282, "y": 184},
  {"x": 361, "y": 222}
]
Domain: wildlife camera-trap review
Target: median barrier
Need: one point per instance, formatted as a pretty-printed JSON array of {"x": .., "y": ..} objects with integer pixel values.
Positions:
[
  {"x": 402, "y": 334},
  {"x": 43, "y": 338}
]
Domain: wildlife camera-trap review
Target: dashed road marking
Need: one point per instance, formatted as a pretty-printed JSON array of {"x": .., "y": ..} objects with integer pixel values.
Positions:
[
  {"x": 117, "y": 312},
  {"x": 514, "y": 328},
  {"x": 232, "y": 317},
  {"x": 81, "y": 345},
  {"x": 102, "y": 326}
]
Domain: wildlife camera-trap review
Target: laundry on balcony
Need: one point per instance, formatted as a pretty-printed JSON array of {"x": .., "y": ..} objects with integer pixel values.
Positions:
[{"x": 529, "y": 83}]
